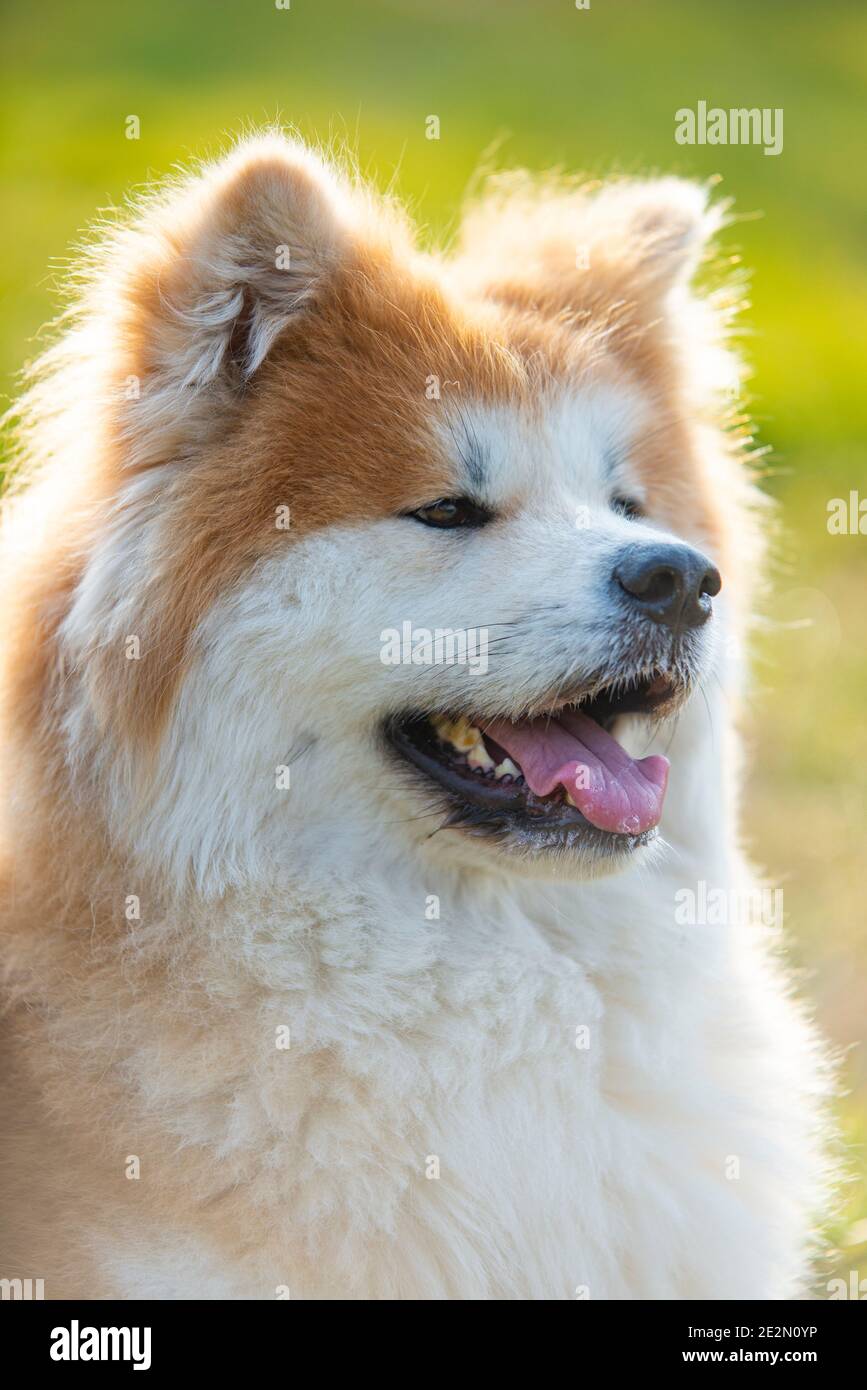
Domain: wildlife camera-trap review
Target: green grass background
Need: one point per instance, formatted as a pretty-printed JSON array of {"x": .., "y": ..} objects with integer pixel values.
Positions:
[{"x": 543, "y": 84}]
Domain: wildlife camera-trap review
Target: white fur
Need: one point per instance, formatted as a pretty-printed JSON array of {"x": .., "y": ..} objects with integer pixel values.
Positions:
[{"x": 562, "y": 1170}]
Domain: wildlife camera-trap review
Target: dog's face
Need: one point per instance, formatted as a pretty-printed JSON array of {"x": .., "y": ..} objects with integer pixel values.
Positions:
[
  {"x": 409, "y": 546},
  {"x": 489, "y": 651}
]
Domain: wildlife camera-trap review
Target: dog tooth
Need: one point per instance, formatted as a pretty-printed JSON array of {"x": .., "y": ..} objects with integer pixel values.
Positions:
[
  {"x": 572, "y": 803},
  {"x": 507, "y": 768},
  {"x": 460, "y": 733},
  {"x": 479, "y": 757}
]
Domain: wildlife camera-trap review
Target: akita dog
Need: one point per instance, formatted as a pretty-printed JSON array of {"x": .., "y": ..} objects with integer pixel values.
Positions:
[{"x": 346, "y": 976}]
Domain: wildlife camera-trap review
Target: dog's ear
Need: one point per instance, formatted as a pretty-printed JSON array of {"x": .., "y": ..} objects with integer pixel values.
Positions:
[
  {"x": 655, "y": 230},
  {"x": 562, "y": 250},
  {"x": 208, "y": 277}
]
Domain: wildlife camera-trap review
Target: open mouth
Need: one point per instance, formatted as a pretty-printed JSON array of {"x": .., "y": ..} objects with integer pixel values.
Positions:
[{"x": 559, "y": 778}]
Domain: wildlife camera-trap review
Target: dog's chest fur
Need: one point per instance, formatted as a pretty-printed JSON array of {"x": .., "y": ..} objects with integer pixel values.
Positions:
[{"x": 481, "y": 1106}]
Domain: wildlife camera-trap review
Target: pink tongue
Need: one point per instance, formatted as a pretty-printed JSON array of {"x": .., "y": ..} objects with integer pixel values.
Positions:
[{"x": 613, "y": 791}]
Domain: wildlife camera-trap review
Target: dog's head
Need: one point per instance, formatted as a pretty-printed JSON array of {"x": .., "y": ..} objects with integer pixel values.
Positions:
[{"x": 375, "y": 544}]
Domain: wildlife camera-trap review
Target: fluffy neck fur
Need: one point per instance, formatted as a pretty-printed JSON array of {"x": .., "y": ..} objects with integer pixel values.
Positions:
[
  {"x": 432, "y": 1131},
  {"x": 416, "y": 1042}
]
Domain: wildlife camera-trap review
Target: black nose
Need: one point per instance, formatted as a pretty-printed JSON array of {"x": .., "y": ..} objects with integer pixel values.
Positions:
[{"x": 673, "y": 584}]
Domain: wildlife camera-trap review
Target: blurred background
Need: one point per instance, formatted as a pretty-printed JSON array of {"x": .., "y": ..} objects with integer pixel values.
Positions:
[{"x": 543, "y": 83}]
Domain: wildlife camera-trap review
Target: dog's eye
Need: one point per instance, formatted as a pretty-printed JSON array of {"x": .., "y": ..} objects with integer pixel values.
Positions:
[
  {"x": 447, "y": 513},
  {"x": 628, "y": 506}
]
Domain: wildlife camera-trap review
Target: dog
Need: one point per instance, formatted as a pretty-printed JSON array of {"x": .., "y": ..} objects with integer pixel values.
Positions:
[{"x": 339, "y": 964}]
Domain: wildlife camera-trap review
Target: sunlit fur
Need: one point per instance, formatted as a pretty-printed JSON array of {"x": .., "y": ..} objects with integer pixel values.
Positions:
[{"x": 168, "y": 905}]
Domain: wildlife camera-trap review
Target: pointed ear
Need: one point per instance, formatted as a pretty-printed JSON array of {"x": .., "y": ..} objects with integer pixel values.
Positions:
[
  {"x": 217, "y": 268},
  {"x": 657, "y": 229},
  {"x": 562, "y": 249}
]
